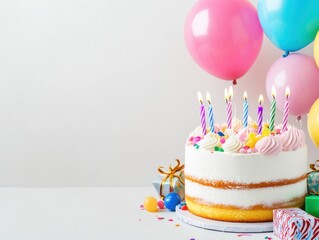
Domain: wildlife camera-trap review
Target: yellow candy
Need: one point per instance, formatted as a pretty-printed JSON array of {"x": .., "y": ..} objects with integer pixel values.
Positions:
[
  {"x": 252, "y": 139},
  {"x": 254, "y": 125},
  {"x": 150, "y": 204},
  {"x": 265, "y": 132}
]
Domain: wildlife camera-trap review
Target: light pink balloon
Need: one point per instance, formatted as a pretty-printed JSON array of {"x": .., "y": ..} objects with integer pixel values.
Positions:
[
  {"x": 224, "y": 38},
  {"x": 301, "y": 74}
]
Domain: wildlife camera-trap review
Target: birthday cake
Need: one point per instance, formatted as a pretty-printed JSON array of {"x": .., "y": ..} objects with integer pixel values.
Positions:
[{"x": 241, "y": 173}]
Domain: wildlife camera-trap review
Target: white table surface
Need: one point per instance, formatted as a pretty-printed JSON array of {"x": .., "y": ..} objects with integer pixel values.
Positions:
[{"x": 94, "y": 213}]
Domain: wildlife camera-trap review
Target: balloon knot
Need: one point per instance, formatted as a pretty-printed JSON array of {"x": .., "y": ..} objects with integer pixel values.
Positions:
[
  {"x": 298, "y": 118},
  {"x": 234, "y": 82},
  {"x": 285, "y": 54}
]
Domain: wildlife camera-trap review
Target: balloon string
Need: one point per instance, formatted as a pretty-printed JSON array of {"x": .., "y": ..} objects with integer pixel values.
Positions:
[
  {"x": 234, "y": 82},
  {"x": 285, "y": 54}
]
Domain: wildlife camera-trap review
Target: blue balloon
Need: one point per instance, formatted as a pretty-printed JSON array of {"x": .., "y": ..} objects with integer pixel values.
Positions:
[
  {"x": 171, "y": 200},
  {"x": 289, "y": 24}
]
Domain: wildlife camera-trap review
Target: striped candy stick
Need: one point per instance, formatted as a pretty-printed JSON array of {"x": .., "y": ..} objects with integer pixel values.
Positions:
[
  {"x": 245, "y": 118},
  {"x": 272, "y": 109},
  {"x": 202, "y": 113},
  {"x": 210, "y": 112},
  {"x": 286, "y": 111},
  {"x": 260, "y": 115}
]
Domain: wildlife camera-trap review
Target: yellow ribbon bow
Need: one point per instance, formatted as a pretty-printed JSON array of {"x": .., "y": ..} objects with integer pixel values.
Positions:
[
  {"x": 315, "y": 166},
  {"x": 171, "y": 174}
]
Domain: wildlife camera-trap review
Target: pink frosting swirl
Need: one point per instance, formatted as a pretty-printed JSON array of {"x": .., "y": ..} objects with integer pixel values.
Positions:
[
  {"x": 292, "y": 139},
  {"x": 269, "y": 145}
]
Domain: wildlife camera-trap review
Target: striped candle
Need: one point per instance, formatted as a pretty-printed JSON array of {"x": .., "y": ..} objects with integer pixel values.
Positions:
[
  {"x": 286, "y": 111},
  {"x": 245, "y": 118},
  {"x": 260, "y": 115},
  {"x": 228, "y": 109},
  {"x": 210, "y": 112},
  {"x": 272, "y": 109},
  {"x": 202, "y": 113}
]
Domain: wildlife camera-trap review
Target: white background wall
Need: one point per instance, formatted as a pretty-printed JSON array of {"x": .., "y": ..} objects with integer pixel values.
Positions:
[{"x": 100, "y": 93}]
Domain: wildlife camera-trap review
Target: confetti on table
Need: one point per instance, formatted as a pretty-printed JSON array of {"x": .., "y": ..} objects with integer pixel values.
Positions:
[
  {"x": 142, "y": 207},
  {"x": 243, "y": 235},
  {"x": 160, "y": 218},
  {"x": 177, "y": 225},
  {"x": 171, "y": 220},
  {"x": 268, "y": 238}
]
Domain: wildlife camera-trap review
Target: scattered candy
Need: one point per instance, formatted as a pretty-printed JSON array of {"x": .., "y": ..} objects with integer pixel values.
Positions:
[
  {"x": 221, "y": 134},
  {"x": 171, "y": 200},
  {"x": 218, "y": 149},
  {"x": 184, "y": 208},
  {"x": 243, "y": 150},
  {"x": 160, "y": 204},
  {"x": 194, "y": 140},
  {"x": 150, "y": 204}
]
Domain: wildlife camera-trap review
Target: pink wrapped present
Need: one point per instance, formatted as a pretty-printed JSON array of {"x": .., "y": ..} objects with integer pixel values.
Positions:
[{"x": 294, "y": 223}]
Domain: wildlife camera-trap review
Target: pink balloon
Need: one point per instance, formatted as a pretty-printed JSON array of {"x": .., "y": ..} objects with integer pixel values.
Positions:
[
  {"x": 301, "y": 74},
  {"x": 224, "y": 38}
]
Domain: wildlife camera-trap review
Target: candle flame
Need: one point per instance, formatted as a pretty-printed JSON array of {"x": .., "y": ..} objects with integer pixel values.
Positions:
[
  {"x": 273, "y": 91},
  {"x": 230, "y": 93},
  {"x": 287, "y": 92},
  {"x": 226, "y": 95},
  {"x": 261, "y": 99},
  {"x": 208, "y": 97},
  {"x": 200, "y": 97},
  {"x": 245, "y": 95}
]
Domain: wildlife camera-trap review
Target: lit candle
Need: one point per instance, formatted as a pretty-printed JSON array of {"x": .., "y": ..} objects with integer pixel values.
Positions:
[
  {"x": 272, "y": 109},
  {"x": 202, "y": 113},
  {"x": 228, "y": 108},
  {"x": 260, "y": 114},
  {"x": 210, "y": 112},
  {"x": 286, "y": 111},
  {"x": 245, "y": 109}
]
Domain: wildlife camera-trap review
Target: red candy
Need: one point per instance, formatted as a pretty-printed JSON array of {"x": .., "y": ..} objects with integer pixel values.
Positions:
[
  {"x": 160, "y": 204},
  {"x": 184, "y": 208}
]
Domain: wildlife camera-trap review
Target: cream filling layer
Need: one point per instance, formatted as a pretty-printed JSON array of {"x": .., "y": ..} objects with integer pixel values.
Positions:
[
  {"x": 246, "y": 198},
  {"x": 245, "y": 168}
]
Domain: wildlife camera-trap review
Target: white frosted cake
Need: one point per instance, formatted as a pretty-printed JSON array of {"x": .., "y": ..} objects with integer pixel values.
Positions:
[{"x": 239, "y": 176}]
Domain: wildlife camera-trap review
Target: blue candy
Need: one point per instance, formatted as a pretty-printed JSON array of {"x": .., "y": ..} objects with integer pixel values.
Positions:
[
  {"x": 221, "y": 134},
  {"x": 171, "y": 200}
]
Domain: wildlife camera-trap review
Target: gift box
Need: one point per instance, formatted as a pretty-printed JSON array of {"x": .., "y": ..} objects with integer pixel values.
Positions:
[
  {"x": 294, "y": 223},
  {"x": 313, "y": 179},
  {"x": 312, "y": 205},
  {"x": 171, "y": 180}
]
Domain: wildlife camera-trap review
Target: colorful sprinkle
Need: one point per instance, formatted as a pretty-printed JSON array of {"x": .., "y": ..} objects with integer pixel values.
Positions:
[
  {"x": 268, "y": 238},
  {"x": 160, "y": 218},
  {"x": 177, "y": 225},
  {"x": 170, "y": 220},
  {"x": 222, "y": 140},
  {"x": 221, "y": 134}
]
